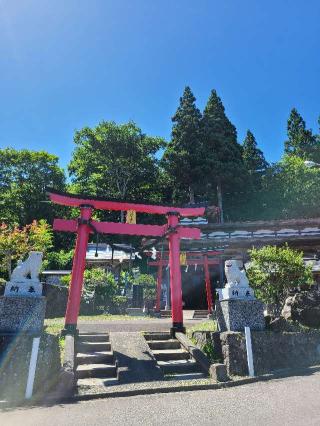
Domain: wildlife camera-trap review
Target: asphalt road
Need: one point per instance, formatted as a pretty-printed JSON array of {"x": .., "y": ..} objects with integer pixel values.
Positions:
[{"x": 291, "y": 401}]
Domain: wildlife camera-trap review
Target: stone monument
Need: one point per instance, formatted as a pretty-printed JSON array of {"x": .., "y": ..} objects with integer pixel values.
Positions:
[
  {"x": 237, "y": 306},
  {"x": 22, "y": 308}
]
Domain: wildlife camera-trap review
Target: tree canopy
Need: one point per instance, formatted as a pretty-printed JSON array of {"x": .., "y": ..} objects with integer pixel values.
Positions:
[
  {"x": 182, "y": 158},
  {"x": 115, "y": 161},
  {"x": 301, "y": 142},
  {"x": 222, "y": 155},
  {"x": 24, "y": 176},
  {"x": 253, "y": 157}
]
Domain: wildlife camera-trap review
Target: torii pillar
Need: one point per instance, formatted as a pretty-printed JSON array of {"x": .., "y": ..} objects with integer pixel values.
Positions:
[
  {"x": 175, "y": 273},
  {"x": 208, "y": 282},
  {"x": 78, "y": 267}
]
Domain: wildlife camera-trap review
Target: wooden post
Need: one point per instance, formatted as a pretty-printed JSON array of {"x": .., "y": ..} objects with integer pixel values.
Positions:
[
  {"x": 208, "y": 283},
  {"x": 175, "y": 273},
  {"x": 78, "y": 267}
]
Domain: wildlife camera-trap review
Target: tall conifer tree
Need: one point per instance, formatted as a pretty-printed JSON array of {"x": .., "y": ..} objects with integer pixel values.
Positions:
[
  {"x": 182, "y": 158},
  {"x": 222, "y": 156},
  {"x": 301, "y": 142},
  {"x": 253, "y": 157}
]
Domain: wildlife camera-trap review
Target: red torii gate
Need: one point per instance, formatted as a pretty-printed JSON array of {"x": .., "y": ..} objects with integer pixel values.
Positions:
[
  {"x": 191, "y": 259},
  {"x": 84, "y": 226}
]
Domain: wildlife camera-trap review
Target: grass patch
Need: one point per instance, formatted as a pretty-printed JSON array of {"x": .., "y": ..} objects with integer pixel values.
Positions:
[
  {"x": 53, "y": 326},
  {"x": 207, "y": 348},
  {"x": 203, "y": 326},
  {"x": 62, "y": 344}
]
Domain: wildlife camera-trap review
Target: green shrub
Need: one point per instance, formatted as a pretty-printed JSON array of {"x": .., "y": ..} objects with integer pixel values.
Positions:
[
  {"x": 58, "y": 260},
  {"x": 211, "y": 354},
  {"x": 274, "y": 271},
  {"x": 148, "y": 283}
]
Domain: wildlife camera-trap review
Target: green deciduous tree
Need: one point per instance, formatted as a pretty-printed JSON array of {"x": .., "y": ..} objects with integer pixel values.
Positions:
[
  {"x": 59, "y": 260},
  {"x": 182, "y": 158},
  {"x": 98, "y": 285},
  {"x": 101, "y": 284},
  {"x": 24, "y": 175},
  {"x": 274, "y": 271},
  {"x": 116, "y": 161},
  {"x": 222, "y": 164},
  {"x": 291, "y": 190}
]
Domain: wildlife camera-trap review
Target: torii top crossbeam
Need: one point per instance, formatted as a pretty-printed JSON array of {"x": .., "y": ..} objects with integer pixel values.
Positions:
[{"x": 73, "y": 200}]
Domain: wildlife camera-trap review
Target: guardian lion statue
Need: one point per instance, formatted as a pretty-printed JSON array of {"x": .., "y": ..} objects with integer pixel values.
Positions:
[
  {"x": 31, "y": 266},
  {"x": 235, "y": 277}
]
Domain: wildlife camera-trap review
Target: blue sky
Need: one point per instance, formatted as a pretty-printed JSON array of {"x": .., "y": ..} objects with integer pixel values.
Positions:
[{"x": 65, "y": 64}]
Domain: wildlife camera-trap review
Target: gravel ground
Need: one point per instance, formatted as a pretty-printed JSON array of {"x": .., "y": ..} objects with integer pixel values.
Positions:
[{"x": 163, "y": 324}]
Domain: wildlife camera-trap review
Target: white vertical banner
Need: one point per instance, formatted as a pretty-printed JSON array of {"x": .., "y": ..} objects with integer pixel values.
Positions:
[
  {"x": 247, "y": 332},
  {"x": 32, "y": 367}
]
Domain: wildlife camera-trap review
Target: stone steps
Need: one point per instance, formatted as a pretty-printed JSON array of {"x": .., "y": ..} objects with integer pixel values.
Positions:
[
  {"x": 171, "y": 354},
  {"x": 164, "y": 344},
  {"x": 174, "y": 360},
  {"x": 96, "y": 370},
  {"x": 94, "y": 360},
  {"x": 157, "y": 336},
  {"x": 199, "y": 314},
  {"x": 84, "y": 346},
  {"x": 89, "y": 337},
  {"x": 165, "y": 314},
  {"x": 95, "y": 357},
  {"x": 179, "y": 366}
]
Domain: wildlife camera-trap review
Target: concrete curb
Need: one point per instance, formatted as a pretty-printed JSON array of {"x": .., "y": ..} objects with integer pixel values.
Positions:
[
  {"x": 195, "y": 352},
  {"x": 67, "y": 382}
]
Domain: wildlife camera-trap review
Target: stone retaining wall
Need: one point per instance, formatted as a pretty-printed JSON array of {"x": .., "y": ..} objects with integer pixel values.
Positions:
[
  {"x": 14, "y": 365},
  {"x": 271, "y": 351}
]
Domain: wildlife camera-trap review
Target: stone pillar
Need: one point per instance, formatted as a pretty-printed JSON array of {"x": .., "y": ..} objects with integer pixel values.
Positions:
[{"x": 237, "y": 306}]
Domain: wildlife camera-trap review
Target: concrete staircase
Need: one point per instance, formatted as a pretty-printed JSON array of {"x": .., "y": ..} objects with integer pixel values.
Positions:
[
  {"x": 95, "y": 360},
  {"x": 174, "y": 360},
  {"x": 165, "y": 314},
  {"x": 201, "y": 314}
]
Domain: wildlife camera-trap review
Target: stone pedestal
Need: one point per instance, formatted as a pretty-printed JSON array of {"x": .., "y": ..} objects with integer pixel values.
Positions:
[
  {"x": 27, "y": 288},
  {"x": 22, "y": 314},
  {"x": 235, "y": 314}
]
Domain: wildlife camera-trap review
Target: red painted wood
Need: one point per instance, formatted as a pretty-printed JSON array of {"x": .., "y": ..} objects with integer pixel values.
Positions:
[
  {"x": 78, "y": 266},
  {"x": 208, "y": 283},
  {"x": 72, "y": 201},
  {"x": 172, "y": 230},
  {"x": 65, "y": 225},
  {"x": 190, "y": 262},
  {"x": 175, "y": 274},
  {"x": 129, "y": 229},
  {"x": 125, "y": 228},
  {"x": 194, "y": 253}
]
